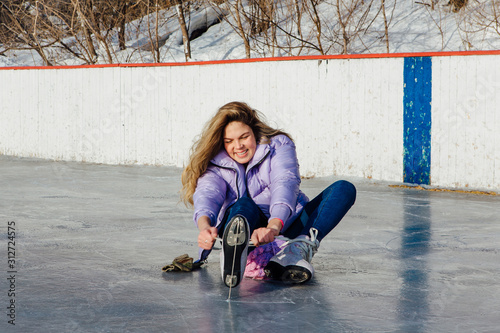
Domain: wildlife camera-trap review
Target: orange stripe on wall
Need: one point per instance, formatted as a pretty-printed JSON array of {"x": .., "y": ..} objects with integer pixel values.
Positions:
[{"x": 251, "y": 60}]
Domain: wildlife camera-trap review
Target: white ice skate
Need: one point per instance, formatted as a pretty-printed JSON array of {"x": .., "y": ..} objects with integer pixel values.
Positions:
[
  {"x": 233, "y": 257},
  {"x": 292, "y": 264}
]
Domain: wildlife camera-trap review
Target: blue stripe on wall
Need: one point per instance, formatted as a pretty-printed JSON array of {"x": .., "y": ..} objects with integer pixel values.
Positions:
[{"x": 417, "y": 120}]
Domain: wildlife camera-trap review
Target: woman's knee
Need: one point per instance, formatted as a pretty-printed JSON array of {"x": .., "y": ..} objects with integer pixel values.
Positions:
[{"x": 346, "y": 188}]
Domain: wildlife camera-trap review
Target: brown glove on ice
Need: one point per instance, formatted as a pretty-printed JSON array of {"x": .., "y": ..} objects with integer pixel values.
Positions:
[{"x": 182, "y": 263}]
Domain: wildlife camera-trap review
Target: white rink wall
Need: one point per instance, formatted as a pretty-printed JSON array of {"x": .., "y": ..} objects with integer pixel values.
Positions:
[
  {"x": 466, "y": 122},
  {"x": 346, "y": 115}
]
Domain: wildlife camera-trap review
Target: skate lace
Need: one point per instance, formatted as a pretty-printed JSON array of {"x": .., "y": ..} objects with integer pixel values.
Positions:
[{"x": 308, "y": 247}]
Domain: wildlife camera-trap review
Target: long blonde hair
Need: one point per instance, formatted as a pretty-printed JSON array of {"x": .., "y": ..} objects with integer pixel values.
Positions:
[{"x": 210, "y": 142}]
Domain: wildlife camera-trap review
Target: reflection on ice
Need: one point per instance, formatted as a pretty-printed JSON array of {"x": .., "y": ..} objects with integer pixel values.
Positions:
[{"x": 413, "y": 306}]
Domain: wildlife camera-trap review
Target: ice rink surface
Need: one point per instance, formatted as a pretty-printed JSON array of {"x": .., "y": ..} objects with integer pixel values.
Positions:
[{"x": 90, "y": 241}]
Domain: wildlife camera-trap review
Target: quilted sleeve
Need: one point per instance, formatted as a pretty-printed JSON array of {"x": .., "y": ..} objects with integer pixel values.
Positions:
[
  {"x": 209, "y": 195},
  {"x": 285, "y": 178}
]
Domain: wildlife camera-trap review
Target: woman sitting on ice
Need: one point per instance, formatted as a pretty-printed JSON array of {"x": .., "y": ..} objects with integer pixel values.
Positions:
[{"x": 243, "y": 180}]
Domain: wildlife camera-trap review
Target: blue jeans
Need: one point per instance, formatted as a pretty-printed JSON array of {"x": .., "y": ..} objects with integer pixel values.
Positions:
[{"x": 324, "y": 212}]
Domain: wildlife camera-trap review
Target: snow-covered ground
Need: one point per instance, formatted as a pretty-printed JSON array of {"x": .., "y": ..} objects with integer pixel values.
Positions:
[{"x": 413, "y": 27}]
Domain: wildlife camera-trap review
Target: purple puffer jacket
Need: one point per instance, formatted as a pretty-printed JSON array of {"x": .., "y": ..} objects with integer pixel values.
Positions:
[{"x": 272, "y": 178}]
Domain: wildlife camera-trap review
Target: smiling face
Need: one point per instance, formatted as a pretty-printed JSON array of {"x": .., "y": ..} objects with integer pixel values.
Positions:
[{"x": 239, "y": 142}]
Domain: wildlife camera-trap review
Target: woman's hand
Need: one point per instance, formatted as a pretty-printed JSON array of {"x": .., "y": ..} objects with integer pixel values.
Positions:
[
  {"x": 266, "y": 235},
  {"x": 207, "y": 235}
]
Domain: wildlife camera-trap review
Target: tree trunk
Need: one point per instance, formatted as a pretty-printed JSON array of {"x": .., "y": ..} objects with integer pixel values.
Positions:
[
  {"x": 81, "y": 14},
  {"x": 299, "y": 18},
  {"x": 317, "y": 22},
  {"x": 157, "y": 41},
  {"x": 185, "y": 34},
  {"x": 241, "y": 30},
  {"x": 386, "y": 27},
  {"x": 121, "y": 24},
  {"x": 38, "y": 46},
  {"x": 343, "y": 26}
]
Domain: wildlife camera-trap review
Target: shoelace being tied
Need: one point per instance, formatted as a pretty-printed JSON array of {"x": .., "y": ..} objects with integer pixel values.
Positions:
[{"x": 307, "y": 246}]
